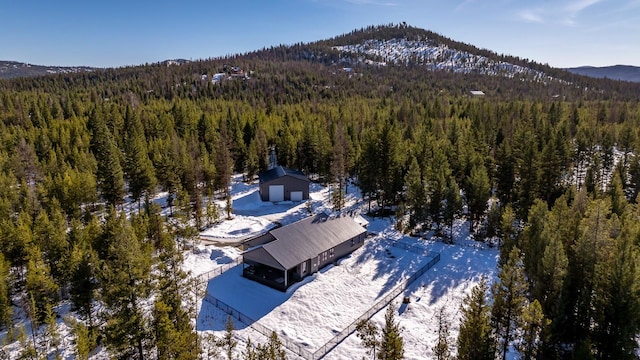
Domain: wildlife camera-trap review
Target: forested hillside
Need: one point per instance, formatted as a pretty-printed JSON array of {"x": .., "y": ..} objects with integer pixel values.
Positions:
[{"x": 75, "y": 147}]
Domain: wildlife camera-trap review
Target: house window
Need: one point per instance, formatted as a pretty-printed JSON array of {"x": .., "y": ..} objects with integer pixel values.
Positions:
[
  {"x": 331, "y": 253},
  {"x": 304, "y": 267},
  {"x": 353, "y": 241}
]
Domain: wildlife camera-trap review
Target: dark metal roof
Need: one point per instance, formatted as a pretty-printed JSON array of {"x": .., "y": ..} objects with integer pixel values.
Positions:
[
  {"x": 280, "y": 171},
  {"x": 307, "y": 238}
]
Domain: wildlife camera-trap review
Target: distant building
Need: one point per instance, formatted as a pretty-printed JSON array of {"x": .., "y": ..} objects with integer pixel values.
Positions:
[
  {"x": 286, "y": 255},
  {"x": 283, "y": 184},
  {"x": 477, "y": 93}
]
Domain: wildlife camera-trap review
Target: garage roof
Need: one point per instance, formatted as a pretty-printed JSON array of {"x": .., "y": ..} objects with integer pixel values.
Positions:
[
  {"x": 280, "y": 171},
  {"x": 306, "y": 239}
]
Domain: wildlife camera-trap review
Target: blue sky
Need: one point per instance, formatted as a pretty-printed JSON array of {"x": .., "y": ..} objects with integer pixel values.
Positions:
[{"x": 561, "y": 33}]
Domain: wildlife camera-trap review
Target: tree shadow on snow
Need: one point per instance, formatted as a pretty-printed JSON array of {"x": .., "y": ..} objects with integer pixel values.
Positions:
[
  {"x": 457, "y": 266},
  {"x": 395, "y": 264},
  {"x": 220, "y": 257}
]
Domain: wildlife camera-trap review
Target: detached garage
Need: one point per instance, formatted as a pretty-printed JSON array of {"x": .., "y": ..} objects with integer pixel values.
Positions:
[{"x": 283, "y": 184}]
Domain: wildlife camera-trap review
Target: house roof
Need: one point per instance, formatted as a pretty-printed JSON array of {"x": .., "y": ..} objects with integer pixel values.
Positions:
[
  {"x": 280, "y": 171},
  {"x": 306, "y": 239}
]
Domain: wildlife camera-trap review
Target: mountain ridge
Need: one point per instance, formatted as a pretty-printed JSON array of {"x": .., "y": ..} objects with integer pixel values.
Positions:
[
  {"x": 377, "y": 55},
  {"x": 12, "y": 69},
  {"x": 614, "y": 72}
]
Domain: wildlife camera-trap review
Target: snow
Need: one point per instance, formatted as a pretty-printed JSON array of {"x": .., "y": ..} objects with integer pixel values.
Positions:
[
  {"x": 434, "y": 56},
  {"x": 312, "y": 312}
]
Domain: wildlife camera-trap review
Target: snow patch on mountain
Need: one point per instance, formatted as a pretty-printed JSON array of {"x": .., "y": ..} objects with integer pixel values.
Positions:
[{"x": 434, "y": 56}]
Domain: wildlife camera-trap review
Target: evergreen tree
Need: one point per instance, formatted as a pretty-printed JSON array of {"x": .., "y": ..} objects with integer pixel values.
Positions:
[
  {"x": 533, "y": 328},
  {"x": 6, "y": 311},
  {"x": 391, "y": 343},
  {"x": 175, "y": 335},
  {"x": 592, "y": 243},
  {"x": 52, "y": 333},
  {"x": 505, "y": 177},
  {"x": 618, "y": 200},
  {"x": 83, "y": 341},
  {"x": 250, "y": 352},
  {"x": 477, "y": 193},
  {"x": 124, "y": 279},
  {"x": 228, "y": 342},
  {"x": 138, "y": 167},
  {"x": 533, "y": 244},
  {"x": 442, "y": 349},
  {"x": 272, "y": 350},
  {"x": 437, "y": 175},
  {"x": 452, "y": 206},
  {"x": 509, "y": 299},
  {"x": 110, "y": 174},
  {"x": 616, "y": 301},
  {"x": 368, "y": 334},
  {"x": 475, "y": 338},
  {"x": 40, "y": 286},
  {"x": 415, "y": 196},
  {"x": 554, "y": 271}
]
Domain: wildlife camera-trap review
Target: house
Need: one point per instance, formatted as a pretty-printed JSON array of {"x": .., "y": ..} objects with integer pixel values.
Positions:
[
  {"x": 477, "y": 93},
  {"x": 285, "y": 255},
  {"x": 283, "y": 184}
]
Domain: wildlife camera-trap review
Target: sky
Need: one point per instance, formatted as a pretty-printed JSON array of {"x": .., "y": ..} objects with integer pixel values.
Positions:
[{"x": 561, "y": 33}]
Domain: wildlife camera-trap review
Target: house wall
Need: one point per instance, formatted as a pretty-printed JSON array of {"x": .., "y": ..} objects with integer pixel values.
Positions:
[
  {"x": 331, "y": 255},
  {"x": 290, "y": 184}
]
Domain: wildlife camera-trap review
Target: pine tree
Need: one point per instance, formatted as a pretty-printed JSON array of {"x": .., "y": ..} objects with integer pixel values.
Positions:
[
  {"x": 588, "y": 250},
  {"x": 533, "y": 244},
  {"x": 442, "y": 349},
  {"x": 618, "y": 200},
  {"x": 250, "y": 352},
  {"x": 509, "y": 299},
  {"x": 228, "y": 342},
  {"x": 137, "y": 165},
  {"x": 40, "y": 286},
  {"x": 272, "y": 350},
  {"x": 616, "y": 302},
  {"x": 368, "y": 334},
  {"x": 103, "y": 145},
  {"x": 52, "y": 333},
  {"x": 475, "y": 338},
  {"x": 124, "y": 279},
  {"x": 6, "y": 312},
  {"x": 437, "y": 175},
  {"x": 453, "y": 205},
  {"x": 477, "y": 194},
  {"x": 83, "y": 341},
  {"x": 533, "y": 327},
  {"x": 175, "y": 335},
  {"x": 391, "y": 343}
]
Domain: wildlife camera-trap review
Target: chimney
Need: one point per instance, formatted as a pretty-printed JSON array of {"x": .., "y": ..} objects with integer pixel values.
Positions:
[{"x": 273, "y": 160}]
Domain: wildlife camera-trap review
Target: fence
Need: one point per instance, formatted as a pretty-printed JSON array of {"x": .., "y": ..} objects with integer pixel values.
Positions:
[
  {"x": 205, "y": 277},
  {"x": 346, "y": 332},
  {"x": 286, "y": 342}
]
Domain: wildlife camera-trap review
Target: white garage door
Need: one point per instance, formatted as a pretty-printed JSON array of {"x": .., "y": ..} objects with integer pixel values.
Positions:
[
  {"x": 296, "y": 196},
  {"x": 276, "y": 193}
]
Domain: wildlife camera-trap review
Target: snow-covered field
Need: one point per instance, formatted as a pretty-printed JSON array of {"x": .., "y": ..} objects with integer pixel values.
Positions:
[{"x": 311, "y": 312}]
